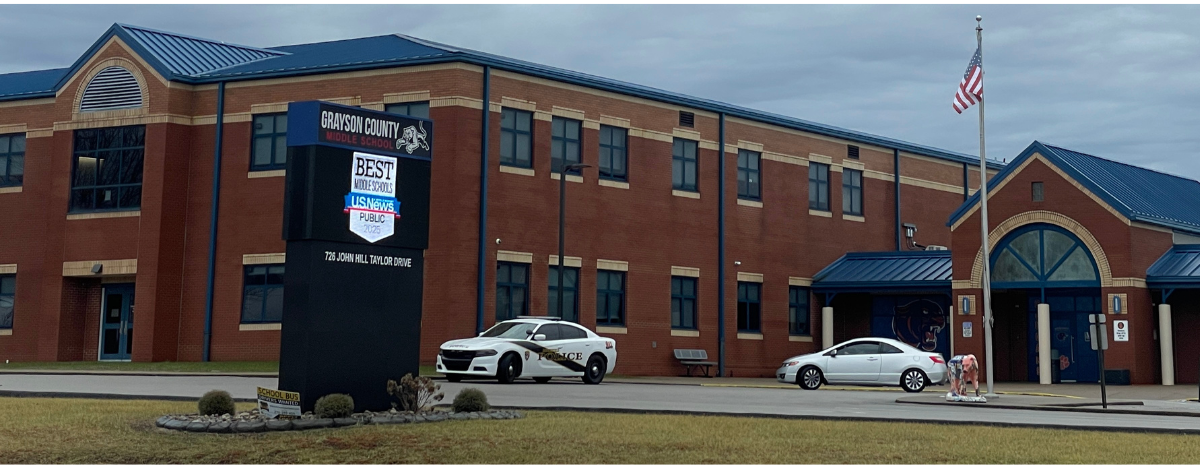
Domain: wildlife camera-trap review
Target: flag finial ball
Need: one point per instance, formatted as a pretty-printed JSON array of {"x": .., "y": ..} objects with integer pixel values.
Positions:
[{"x": 979, "y": 17}]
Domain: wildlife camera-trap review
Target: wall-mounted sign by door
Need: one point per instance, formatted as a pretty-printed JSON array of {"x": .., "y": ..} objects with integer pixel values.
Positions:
[
  {"x": 1121, "y": 330},
  {"x": 967, "y": 329}
]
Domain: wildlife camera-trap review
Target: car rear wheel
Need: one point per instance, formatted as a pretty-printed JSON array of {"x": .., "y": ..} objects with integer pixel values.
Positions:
[
  {"x": 913, "y": 380},
  {"x": 809, "y": 378},
  {"x": 593, "y": 372},
  {"x": 509, "y": 369},
  {"x": 541, "y": 379},
  {"x": 454, "y": 378}
]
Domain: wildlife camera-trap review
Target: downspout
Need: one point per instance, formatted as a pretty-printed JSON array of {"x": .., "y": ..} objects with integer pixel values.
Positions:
[
  {"x": 721, "y": 248},
  {"x": 483, "y": 189},
  {"x": 896, "y": 169},
  {"x": 212, "y": 231},
  {"x": 966, "y": 183}
]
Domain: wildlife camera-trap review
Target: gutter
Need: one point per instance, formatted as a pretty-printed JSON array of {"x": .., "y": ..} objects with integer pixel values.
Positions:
[
  {"x": 483, "y": 190},
  {"x": 212, "y": 231},
  {"x": 721, "y": 248},
  {"x": 896, "y": 163}
]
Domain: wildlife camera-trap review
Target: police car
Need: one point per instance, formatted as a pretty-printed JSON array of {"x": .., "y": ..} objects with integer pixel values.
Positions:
[{"x": 530, "y": 347}]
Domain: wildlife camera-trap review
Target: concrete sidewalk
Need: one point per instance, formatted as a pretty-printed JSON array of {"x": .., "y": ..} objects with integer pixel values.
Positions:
[{"x": 1058, "y": 404}]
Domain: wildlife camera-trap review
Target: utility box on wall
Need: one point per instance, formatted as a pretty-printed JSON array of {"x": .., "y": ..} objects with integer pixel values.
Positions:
[{"x": 356, "y": 222}]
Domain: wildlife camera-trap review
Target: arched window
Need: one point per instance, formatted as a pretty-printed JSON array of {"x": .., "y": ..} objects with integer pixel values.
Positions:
[
  {"x": 113, "y": 88},
  {"x": 1043, "y": 255}
]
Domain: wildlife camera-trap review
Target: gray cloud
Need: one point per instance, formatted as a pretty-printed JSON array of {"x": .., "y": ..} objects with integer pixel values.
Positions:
[{"x": 1114, "y": 81}]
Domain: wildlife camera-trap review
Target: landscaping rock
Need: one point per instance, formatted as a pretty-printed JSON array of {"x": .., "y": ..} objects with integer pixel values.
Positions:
[
  {"x": 279, "y": 425},
  {"x": 219, "y": 427},
  {"x": 162, "y": 421},
  {"x": 344, "y": 422},
  {"x": 197, "y": 426},
  {"x": 250, "y": 426}
]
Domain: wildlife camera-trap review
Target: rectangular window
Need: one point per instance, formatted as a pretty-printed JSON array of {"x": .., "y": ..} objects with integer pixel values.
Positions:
[
  {"x": 269, "y": 146},
  {"x": 852, "y": 203},
  {"x": 570, "y": 285},
  {"x": 8, "y": 295},
  {"x": 516, "y": 138},
  {"x": 798, "y": 316},
  {"x": 564, "y": 144},
  {"x": 818, "y": 186},
  {"x": 683, "y": 302},
  {"x": 749, "y": 184},
  {"x": 512, "y": 290},
  {"x": 683, "y": 165},
  {"x": 107, "y": 169},
  {"x": 262, "y": 294},
  {"x": 12, "y": 160},
  {"x": 613, "y": 154},
  {"x": 610, "y": 298},
  {"x": 414, "y": 109},
  {"x": 1039, "y": 193},
  {"x": 749, "y": 307}
]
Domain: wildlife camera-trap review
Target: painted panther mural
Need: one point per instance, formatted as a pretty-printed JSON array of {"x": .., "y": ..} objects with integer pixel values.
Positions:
[{"x": 918, "y": 323}]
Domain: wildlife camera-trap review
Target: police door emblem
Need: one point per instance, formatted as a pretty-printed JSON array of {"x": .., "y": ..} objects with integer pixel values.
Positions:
[{"x": 372, "y": 203}]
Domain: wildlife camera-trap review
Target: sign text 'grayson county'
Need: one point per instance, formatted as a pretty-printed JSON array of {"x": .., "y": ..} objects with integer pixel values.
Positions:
[{"x": 367, "y": 259}]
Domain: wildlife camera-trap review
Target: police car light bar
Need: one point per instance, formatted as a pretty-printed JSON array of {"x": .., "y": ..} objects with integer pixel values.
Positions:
[{"x": 532, "y": 317}]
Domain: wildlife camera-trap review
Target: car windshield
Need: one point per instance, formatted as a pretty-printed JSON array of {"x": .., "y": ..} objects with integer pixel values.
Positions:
[{"x": 510, "y": 330}]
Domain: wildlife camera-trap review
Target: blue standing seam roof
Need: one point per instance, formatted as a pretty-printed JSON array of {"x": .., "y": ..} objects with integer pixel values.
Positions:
[
  {"x": 1179, "y": 265},
  {"x": 30, "y": 84},
  {"x": 1140, "y": 194},
  {"x": 197, "y": 61},
  {"x": 886, "y": 270}
]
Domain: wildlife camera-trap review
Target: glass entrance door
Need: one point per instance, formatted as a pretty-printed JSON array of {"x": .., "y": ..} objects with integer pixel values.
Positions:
[{"x": 116, "y": 323}]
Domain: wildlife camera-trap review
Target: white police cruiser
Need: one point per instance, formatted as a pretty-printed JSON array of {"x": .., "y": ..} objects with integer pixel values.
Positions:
[{"x": 530, "y": 347}]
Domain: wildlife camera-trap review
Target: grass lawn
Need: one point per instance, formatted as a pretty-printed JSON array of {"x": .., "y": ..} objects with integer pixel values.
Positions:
[
  {"x": 108, "y": 431},
  {"x": 178, "y": 367}
]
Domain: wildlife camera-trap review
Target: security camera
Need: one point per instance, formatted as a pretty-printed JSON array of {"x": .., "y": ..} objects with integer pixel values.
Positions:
[
  {"x": 737, "y": 263},
  {"x": 497, "y": 241}
]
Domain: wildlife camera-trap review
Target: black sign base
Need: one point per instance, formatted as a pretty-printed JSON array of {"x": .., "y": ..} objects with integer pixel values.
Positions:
[{"x": 353, "y": 321}]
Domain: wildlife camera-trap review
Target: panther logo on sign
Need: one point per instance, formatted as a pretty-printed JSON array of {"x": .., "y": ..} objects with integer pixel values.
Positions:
[{"x": 372, "y": 203}]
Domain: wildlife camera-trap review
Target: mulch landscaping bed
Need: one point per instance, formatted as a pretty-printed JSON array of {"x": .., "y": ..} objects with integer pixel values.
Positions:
[{"x": 254, "y": 422}]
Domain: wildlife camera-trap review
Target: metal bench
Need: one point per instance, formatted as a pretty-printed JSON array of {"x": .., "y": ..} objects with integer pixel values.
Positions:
[{"x": 694, "y": 358}]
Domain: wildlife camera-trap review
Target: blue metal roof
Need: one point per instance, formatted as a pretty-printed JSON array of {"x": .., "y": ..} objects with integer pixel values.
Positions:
[
  {"x": 1141, "y": 194},
  {"x": 886, "y": 270},
  {"x": 1179, "y": 265},
  {"x": 31, "y": 84},
  {"x": 196, "y": 61}
]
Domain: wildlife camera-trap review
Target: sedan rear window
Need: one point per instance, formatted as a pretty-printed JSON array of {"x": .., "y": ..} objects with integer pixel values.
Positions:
[{"x": 510, "y": 330}]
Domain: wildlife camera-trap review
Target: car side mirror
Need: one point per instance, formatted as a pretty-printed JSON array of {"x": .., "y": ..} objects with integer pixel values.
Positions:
[
  {"x": 833, "y": 353},
  {"x": 480, "y": 334},
  {"x": 539, "y": 337}
]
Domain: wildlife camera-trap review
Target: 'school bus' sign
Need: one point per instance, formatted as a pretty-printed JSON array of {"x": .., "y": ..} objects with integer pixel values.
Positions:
[{"x": 356, "y": 222}]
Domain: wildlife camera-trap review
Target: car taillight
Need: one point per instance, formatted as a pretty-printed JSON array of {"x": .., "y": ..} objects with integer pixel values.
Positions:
[{"x": 937, "y": 359}]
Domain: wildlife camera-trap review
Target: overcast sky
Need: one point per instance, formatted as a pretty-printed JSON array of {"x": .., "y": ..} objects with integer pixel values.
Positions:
[{"x": 1120, "y": 82}]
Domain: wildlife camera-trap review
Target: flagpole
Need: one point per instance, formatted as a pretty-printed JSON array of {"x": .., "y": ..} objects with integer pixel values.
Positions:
[{"x": 983, "y": 196}]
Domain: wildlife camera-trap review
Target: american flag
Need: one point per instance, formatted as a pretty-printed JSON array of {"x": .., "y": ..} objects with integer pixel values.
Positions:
[{"x": 970, "y": 90}]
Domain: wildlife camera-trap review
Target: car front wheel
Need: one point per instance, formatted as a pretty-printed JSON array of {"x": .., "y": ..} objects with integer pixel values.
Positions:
[
  {"x": 913, "y": 380},
  {"x": 593, "y": 372},
  {"x": 509, "y": 369},
  {"x": 809, "y": 378}
]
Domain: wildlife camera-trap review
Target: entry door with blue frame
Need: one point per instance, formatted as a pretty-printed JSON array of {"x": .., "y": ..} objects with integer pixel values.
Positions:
[
  {"x": 1070, "y": 342},
  {"x": 116, "y": 323}
]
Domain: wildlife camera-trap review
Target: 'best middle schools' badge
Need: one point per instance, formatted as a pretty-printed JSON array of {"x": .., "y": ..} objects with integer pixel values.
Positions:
[{"x": 372, "y": 203}]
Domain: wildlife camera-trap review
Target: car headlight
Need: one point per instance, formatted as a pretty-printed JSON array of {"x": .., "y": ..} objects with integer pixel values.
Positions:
[
  {"x": 791, "y": 363},
  {"x": 485, "y": 353}
]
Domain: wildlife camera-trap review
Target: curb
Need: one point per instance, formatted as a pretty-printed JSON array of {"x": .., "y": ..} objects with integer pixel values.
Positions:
[
  {"x": 877, "y": 389},
  {"x": 138, "y": 373},
  {"x": 1060, "y": 408},
  {"x": 785, "y": 416},
  {"x": 103, "y": 396}
]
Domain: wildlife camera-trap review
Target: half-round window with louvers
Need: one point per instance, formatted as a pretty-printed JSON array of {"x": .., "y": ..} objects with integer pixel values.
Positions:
[{"x": 114, "y": 88}]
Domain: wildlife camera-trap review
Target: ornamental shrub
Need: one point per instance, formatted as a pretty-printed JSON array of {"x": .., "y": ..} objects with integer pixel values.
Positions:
[
  {"x": 335, "y": 406},
  {"x": 471, "y": 400},
  {"x": 414, "y": 394},
  {"x": 216, "y": 402}
]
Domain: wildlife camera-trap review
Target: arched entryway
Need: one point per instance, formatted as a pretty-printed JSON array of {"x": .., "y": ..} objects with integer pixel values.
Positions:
[{"x": 1043, "y": 263}]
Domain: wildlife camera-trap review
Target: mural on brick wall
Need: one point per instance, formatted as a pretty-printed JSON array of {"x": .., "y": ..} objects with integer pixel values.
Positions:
[{"x": 919, "y": 321}]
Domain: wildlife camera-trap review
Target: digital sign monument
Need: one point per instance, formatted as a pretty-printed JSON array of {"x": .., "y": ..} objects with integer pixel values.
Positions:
[{"x": 356, "y": 222}]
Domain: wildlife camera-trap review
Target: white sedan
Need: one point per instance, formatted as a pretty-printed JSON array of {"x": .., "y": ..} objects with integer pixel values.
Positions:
[
  {"x": 866, "y": 361},
  {"x": 530, "y": 347}
]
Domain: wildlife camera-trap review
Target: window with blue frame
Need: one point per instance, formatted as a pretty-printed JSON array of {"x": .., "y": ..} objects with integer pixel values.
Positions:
[
  {"x": 749, "y": 182},
  {"x": 8, "y": 296},
  {"x": 852, "y": 201},
  {"x": 512, "y": 290},
  {"x": 564, "y": 143},
  {"x": 570, "y": 290},
  {"x": 683, "y": 302},
  {"x": 614, "y": 160},
  {"x": 12, "y": 160},
  {"x": 268, "y": 149},
  {"x": 415, "y": 109},
  {"x": 684, "y": 165},
  {"x": 749, "y": 317},
  {"x": 516, "y": 138},
  {"x": 610, "y": 298},
  {"x": 798, "y": 315},
  {"x": 818, "y": 186},
  {"x": 107, "y": 169},
  {"x": 262, "y": 294},
  {"x": 1042, "y": 255}
]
